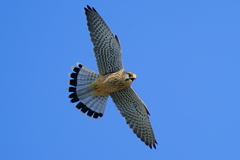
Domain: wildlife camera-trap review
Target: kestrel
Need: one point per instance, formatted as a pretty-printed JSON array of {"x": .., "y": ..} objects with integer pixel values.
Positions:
[{"x": 91, "y": 90}]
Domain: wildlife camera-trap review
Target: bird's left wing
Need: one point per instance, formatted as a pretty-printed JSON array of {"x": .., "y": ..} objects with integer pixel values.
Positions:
[
  {"x": 136, "y": 114},
  {"x": 107, "y": 47}
]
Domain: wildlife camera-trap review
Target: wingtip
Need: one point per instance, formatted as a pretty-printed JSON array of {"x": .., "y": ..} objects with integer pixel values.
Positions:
[
  {"x": 94, "y": 9},
  {"x": 88, "y": 8},
  {"x": 153, "y": 145}
]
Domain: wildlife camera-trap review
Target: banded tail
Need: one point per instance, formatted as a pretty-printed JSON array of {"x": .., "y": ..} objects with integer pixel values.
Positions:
[{"x": 82, "y": 77}]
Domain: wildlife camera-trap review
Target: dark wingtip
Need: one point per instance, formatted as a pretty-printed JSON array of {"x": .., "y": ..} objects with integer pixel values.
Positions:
[
  {"x": 88, "y": 8},
  {"x": 94, "y": 9},
  {"x": 154, "y": 146},
  {"x": 117, "y": 40}
]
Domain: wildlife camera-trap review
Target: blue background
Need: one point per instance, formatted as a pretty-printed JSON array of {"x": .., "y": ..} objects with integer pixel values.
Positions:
[{"x": 187, "y": 59}]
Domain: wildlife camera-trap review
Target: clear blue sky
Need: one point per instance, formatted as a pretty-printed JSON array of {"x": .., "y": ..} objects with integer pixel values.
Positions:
[{"x": 187, "y": 59}]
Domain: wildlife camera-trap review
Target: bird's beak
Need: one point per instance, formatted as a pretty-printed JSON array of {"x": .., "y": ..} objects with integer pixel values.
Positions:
[{"x": 134, "y": 76}]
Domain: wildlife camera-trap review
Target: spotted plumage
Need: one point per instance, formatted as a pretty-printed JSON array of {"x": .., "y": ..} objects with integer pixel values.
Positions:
[{"x": 91, "y": 90}]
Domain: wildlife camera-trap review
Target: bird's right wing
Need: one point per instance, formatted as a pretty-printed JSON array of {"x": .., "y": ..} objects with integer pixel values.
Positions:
[
  {"x": 136, "y": 114},
  {"x": 107, "y": 47}
]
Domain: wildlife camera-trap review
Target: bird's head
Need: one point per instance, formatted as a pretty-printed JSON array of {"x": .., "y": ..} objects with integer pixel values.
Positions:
[{"x": 129, "y": 77}]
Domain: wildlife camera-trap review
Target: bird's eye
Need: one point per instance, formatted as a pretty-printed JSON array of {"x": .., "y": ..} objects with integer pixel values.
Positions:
[{"x": 128, "y": 76}]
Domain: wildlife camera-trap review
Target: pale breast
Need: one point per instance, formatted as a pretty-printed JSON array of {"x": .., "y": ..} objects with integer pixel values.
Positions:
[{"x": 109, "y": 83}]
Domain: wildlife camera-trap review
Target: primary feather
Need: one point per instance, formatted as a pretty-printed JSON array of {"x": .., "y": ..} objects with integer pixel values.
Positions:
[{"x": 107, "y": 48}]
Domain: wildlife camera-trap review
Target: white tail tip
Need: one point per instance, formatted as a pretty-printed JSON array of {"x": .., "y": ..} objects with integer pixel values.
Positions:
[{"x": 68, "y": 82}]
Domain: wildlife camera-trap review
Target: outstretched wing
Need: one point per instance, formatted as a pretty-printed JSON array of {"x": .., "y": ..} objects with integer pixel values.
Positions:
[
  {"x": 107, "y": 47},
  {"x": 136, "y": 114}
]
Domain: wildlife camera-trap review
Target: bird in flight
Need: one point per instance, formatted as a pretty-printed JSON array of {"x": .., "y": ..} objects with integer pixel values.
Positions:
[{"x": 91, "y": 90}]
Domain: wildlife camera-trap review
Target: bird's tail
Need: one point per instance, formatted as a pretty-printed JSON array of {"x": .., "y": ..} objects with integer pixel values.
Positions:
[{"x": 82, "y": 77}]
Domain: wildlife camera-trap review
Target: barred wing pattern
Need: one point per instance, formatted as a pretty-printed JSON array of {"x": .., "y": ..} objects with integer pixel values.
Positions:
[
  {"x": 136, "y": 114},
  {"x": 107, "y": 47}
]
